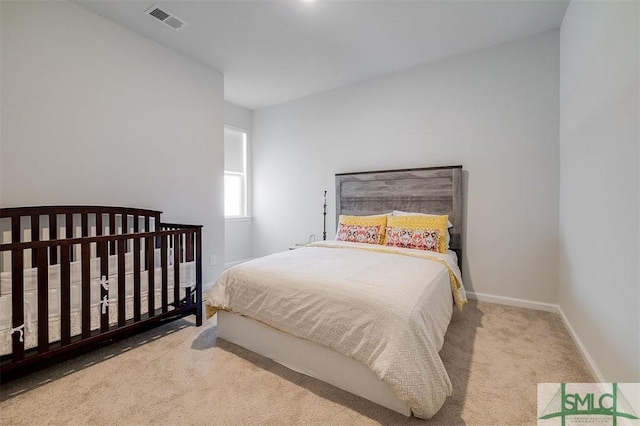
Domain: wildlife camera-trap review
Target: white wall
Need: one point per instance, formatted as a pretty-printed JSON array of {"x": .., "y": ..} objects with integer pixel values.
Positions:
[
  {"x": 93, "y": 113},
  {"x": 239, "y": 232},
  {"x": 494, "y": 111},
  {"x": 599, "y": 183}
]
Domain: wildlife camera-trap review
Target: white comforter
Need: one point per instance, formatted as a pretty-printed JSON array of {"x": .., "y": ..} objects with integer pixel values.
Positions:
[{"x": 388, "y": 308}]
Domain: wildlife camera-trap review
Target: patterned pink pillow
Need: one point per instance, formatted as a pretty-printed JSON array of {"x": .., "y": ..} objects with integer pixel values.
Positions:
[
  {"x": 359, "y": 234},
  {"x": 421, "y": 239}
]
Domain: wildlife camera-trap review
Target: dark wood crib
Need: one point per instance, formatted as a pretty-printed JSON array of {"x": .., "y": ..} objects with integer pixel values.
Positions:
[{"x": 88, "y": 275}]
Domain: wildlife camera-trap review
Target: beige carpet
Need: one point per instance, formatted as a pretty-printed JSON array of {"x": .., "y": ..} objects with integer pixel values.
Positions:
[{"x": 180, "y": 374}]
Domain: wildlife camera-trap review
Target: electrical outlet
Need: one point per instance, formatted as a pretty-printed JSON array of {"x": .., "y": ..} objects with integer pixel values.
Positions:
[{"x": 213, "y": 260}]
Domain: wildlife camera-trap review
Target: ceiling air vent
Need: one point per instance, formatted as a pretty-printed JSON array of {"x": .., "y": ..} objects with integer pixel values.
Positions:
[{"x": 166, "y": 17}]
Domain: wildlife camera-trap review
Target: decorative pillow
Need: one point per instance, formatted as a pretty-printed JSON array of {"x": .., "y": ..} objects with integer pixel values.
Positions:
[
  {"x": 449, "y": 224},
  {"x": 359, "y": 234},
  {"x": 362, "y": 229},
  {"x": 422, "y": 239},
  {"x": 418, "y": 232}
]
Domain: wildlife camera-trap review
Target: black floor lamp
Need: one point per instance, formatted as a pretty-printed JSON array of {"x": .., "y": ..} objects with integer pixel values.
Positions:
[{"x": 324, "y": 216}]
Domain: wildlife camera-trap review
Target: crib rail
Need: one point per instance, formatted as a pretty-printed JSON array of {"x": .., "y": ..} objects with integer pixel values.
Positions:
[{"x": 54, "y": 238}]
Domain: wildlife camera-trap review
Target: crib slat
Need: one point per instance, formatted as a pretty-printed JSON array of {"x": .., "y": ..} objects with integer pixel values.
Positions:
[
  {"x": 165, "y": 272},
  {"x": 98, "y": 223},
  {"x": 85, "y": 224},
  {"x": 68, "y": 224},
  {"x": 53, "y": 235},
  {"x": 104, "y": 293},
  {"x": 125, "y": 227},
  {"x": 35, "y": 236},
  {"x": 15, "y": 230},
  {"x": 17, "y": 294},
  {"x": 136, "y": 251},
  {"x": 146, "y": 259},
  {"x": 65, "y": 294},
  {"x": 136, "y": 223},
  {"x": 136, "y": 279},
  {"x": 151, "y": 293},
  {"x": 122, "y": 319},
  {"x": 112, "y": 231},
  {"x": 43, "y": 299},
  {"x": 189, "y": 247},
  {"x": 176, "y": 270},
  {"x": 86, "y": 287}
]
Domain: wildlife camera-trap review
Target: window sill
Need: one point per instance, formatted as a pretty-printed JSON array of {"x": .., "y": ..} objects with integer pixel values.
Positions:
[{"x": 238, "y": 219}]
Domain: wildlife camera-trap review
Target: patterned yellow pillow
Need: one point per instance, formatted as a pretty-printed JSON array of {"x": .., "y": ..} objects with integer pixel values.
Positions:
[
  {"x": 420, "y": 232},
  {"x": 369, "y": 229}
]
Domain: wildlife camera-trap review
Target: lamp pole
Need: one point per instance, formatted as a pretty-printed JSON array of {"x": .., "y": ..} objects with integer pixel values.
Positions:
[{"x": 324, "y": 216}]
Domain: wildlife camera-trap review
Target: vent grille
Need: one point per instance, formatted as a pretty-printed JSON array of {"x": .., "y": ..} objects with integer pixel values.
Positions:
[
  {"x": 157, "y": 13},
  {"x": 165, "y": 17}
]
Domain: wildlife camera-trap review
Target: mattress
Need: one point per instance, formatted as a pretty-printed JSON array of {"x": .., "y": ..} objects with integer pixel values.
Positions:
[{"x": 387, "y": 308}]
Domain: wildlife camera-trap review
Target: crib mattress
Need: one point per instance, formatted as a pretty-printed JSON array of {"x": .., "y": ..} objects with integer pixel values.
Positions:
[
  {"x": 30, "y": 332},
  {"x": 97, "y": 282}
]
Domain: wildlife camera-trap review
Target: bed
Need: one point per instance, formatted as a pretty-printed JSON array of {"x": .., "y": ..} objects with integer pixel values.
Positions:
[
  {"x": 367, "y": 318},
  {"x": 76, "y": 277}
]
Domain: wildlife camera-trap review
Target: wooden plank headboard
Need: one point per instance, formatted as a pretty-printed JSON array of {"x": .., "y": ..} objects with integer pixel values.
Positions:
[{"x": 436, "y": 190}]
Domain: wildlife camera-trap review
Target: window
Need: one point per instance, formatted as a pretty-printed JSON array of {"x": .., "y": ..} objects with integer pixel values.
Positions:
[
  {"x": 235, "y": 172},
  {"x": 233, "y": 191}
]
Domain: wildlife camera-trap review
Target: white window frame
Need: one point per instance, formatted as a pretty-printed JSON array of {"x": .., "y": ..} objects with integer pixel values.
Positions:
[{"x": 245, "y": 214}]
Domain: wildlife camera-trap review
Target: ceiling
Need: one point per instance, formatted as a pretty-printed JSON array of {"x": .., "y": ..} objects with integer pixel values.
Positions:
[{"x": 271, "y": 52}]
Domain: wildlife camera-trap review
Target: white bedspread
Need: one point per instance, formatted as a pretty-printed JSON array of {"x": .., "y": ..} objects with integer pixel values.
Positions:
[{"x": 388, "y": 308}]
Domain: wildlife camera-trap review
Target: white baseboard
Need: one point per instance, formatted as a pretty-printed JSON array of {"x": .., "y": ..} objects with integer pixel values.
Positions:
[
  {"x": 548, "y": 307},
  {"x": 510, "y": 301},
  {"x": 595, "y": 371}
]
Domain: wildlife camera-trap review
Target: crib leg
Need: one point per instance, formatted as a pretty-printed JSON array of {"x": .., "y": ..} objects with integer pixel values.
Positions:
[{"x": 198, "y": 307}]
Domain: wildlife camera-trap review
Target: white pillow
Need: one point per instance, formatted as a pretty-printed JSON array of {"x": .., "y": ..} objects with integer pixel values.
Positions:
[{"x": 378, "y": 215}]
